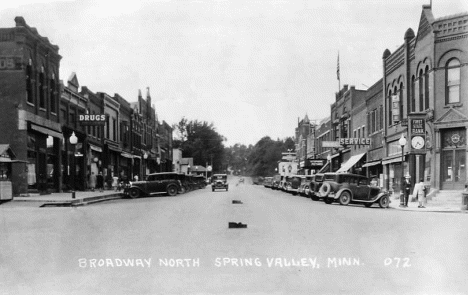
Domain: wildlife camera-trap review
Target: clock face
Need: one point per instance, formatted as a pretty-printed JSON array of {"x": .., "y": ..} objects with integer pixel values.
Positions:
[{"x": 417, "y": 142}]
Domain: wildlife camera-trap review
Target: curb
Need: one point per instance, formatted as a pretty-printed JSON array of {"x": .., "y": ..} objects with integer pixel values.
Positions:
[{"x": 75, "y": 202}]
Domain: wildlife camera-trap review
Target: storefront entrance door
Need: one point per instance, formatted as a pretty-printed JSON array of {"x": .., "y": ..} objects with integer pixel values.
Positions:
[{"x": 453, "y": 160}]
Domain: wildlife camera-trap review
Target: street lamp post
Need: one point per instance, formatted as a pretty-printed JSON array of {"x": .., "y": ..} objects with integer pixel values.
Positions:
[
  {"x": 188, "y": 169},
  {"x": 329, "y": 162},
  {"x": 73, "y": 142},
  {"x": 145, "y": 164},
  {"x": 402, "y": 142}
]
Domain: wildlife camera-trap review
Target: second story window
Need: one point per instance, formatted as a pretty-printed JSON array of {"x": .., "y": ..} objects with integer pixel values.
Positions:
[
  {"x": 452, "y": 92},
  {"x": 53, "y": 95},
  {"x": 42, "y": 87},
  {"x": 29, "y": 83}
]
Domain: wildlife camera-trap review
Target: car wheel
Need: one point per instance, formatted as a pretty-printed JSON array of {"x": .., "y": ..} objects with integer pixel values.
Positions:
[
  {"x": 134, "y": 193},
  {"x": 325, "y": 189},
  {"x": 345, "y": 198},
  {"x": 212, "y": 189},
  {"x": 368, "y": 205},
  {"x": 328, "y": 201},
  {"x": 183, "y": 190},
  {"x": 171, "y": 190},
  {"x": 384, "y": 202}
]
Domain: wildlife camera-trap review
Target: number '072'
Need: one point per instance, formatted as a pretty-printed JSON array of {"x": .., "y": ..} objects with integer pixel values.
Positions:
[{"x": 397, "y": 262}]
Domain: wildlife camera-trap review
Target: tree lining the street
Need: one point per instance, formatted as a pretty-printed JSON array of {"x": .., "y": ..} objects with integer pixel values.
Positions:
[
  {"x": 200, "y": 140},
  {"x": 266, "y": 154}
]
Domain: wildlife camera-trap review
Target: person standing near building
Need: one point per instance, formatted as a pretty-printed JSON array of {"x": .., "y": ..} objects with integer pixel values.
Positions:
[
  {"x": 407, "y": 188},
  {"x": 100, "y": 181},
  {"x": 115, "y": 182},
  {"x": 420, "y": 192},
  {"x": 92, "y": 181}
]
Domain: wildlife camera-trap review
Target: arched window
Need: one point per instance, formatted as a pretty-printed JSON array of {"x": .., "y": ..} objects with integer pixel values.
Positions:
[
  {"x": 452, "y": 82},
  {"x": 421, "y": 90},
  {"x": 413, "y": 94},
  {"x": 400, "y": 94},
  {"x": 390, "y": 107},
  {"x": 29, "y": 83},
  {"x": 426, "y": 88}
]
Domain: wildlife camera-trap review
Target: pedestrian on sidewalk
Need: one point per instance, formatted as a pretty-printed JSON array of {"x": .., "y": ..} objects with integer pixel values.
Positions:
[
  {"x": 115, "y": 182},
  {"x": 420, "y": 192},
  {"x": 100, "y": 181},
  {"x": 407, "y": 187},
  {"x": 92, "y": 181}
]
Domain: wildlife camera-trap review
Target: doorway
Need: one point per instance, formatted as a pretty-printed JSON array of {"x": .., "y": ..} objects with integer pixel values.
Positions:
[{"x": 453, "y": 159}]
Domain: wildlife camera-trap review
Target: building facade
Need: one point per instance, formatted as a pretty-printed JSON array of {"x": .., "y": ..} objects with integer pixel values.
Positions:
[{"x": 29, "y": 117}]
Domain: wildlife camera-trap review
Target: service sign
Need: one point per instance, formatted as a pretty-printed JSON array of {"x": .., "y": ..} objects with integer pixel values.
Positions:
[
  {"x": 355, "y": 141},
  {"x": 88, "y": 120}
]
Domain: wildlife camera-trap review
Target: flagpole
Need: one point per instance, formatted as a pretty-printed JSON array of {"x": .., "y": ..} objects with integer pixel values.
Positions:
[{"x": 338, "y": 72}]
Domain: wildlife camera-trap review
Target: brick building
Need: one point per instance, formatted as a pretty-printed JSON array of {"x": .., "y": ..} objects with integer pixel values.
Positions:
[{"x": 29, "y": 118}]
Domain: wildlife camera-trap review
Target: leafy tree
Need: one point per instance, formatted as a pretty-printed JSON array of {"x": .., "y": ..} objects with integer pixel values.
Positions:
[
  {"x": 200, "y": 140},
  {"x": 265, "y": 155}
]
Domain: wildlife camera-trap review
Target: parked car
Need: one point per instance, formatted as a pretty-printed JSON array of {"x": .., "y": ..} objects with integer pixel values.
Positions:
[
  {"x": 268, "y": 181},
  {"x": 347, "y": 188},
  {"x": 293, "y": 184},
  {"x": 276, "y": 181},
  {"x": 258, "y": 180},
  {"x": 284, "y": 183},
  {"x": 304, "y": 187},
  {"x": 315, "y": 185},
  {"x": 219, "y": 181},
  {"x": 156, "y": 183},
  {"x": 200, "y": 181}
]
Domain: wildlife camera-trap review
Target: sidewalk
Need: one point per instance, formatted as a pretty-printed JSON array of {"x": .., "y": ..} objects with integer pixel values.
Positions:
[
  {"x": 450, "y": 202},
  {"x": 66, "y": 198}
]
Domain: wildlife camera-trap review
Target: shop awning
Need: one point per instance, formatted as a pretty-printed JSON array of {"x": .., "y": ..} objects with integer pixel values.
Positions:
[
  {"x": 47, "y": 131},
  {"x": 8, "y": 160},
  {"x": 393, "y": 160},
  {"x": 113, "y": 148},
  {"x": 95, "y": 148},
  {"x": 369, "y": 164},
  {"x": 350, "y": 163},
  {"x": 127, "y": 155}
]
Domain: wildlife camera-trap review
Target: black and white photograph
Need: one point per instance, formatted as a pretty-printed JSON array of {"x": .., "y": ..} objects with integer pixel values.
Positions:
[{"x": 234, "y": 147}]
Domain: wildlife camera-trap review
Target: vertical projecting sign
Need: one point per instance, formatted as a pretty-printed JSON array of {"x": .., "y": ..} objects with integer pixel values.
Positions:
[{"x": 417, "y": 132}]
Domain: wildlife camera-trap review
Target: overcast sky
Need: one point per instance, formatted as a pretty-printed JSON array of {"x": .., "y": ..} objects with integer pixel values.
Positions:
[{"x": 250, "y": 67}]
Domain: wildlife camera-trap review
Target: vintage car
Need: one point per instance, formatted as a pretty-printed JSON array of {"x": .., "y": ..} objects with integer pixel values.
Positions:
[
  {"x": 268, "y": 181},
  {"x": 304, "y": 187},
  {"x": 314, "y": 186},
  {"x": 276, "y": 181},
  {"x": 347, "y": 188},
  {"x": 219, "y": 181},
  {"x": 200, "y": 181},
  {"x": 283, "y": 185},
  {"x": 156, "y": 183},
  {"x": 293, "y": 184}
]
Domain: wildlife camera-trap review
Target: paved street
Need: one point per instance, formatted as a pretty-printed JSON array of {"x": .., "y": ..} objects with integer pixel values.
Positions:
[{"x": 182, "y": 245}]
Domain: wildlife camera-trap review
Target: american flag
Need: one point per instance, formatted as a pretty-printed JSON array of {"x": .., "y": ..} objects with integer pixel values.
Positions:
[{"x": 338, "y": 67}]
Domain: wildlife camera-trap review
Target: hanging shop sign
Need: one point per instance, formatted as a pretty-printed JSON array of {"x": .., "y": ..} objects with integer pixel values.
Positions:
[{"x": 87, "y": 120}]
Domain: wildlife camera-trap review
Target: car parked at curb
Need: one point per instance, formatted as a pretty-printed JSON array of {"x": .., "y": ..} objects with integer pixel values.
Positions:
[
  {"x": 294, "y": 182},
  {"x": 156, "y": 183},
  {"x": 347, "y": 188},
  {"x": 268, "y": 181},
  {"x": 276, "y": 181},
  {"x": 304, "y": 187},
  {"x": 315, "y": 185},
  {"x": 219, "y": 181}
]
